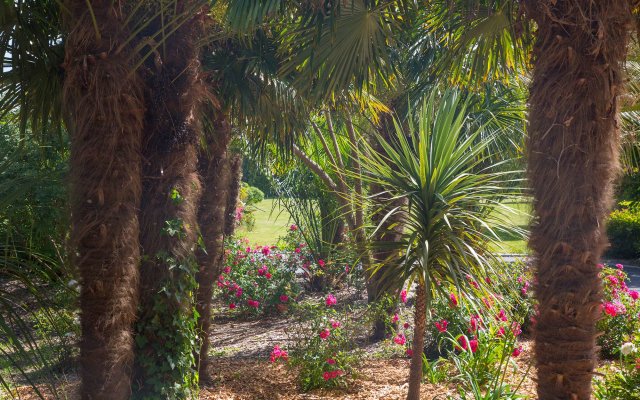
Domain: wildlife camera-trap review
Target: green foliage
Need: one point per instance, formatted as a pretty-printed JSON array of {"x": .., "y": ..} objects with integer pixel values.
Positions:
[
  {"x": 451, "y": 191},
  {"x": 623, "y": 230},
  {"x": 38, "y": 321},
  {"x": 259, "y": 280},
  {"x": 33, "y": 194},
  {"x": 250, "y": 195},
  {"x": 629, "y": 187},
  {"x": 620, "y": 312}
]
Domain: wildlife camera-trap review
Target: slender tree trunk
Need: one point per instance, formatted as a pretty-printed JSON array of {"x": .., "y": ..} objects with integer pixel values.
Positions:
[
  {"x": 420, "y": 321},
  {"x": 235, "y": 179},
  {"x": 383, "y": 236},
  {"x": 572, "y": 161},
  {"x": 104, "y": 109},
  {"x": 214, "y": 170},
  {"x": 165, "y": 365}
]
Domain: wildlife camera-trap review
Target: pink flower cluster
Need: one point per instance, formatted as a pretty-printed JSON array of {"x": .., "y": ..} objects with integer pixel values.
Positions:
[
  {"x": 332, "y": 374},
  {"x": 330, "y": 300},
  {"x": 278, "y": 353},
  {"x": 465, "y": 344}
]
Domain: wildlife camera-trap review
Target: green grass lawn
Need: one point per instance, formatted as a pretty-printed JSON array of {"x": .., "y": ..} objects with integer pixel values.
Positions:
[
  {"x": 273, "y": 223},
  {"x": 269, "y": 226}
]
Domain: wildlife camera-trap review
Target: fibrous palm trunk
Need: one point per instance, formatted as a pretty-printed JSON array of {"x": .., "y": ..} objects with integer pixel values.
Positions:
[
  {"x": 104, "y": 110},
  {"x": 420, "y": 322},
  {"x": 572, "y": 161},
  {"x": 214, "y": 170},
  {"x": 235, "y": 179},
  {"x": 171, "y": 190}
]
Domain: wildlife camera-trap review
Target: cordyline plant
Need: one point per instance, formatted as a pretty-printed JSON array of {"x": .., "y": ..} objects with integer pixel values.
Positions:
[{"x": 452, "y": 210}]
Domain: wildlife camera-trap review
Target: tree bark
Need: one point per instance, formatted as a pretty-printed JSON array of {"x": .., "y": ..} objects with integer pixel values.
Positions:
[
  {"x": 103, "y": 103},
  {"x": 389, "y": 232},
  {"x": 214, "y": 169},
  {"x": 235, "y": 179},
  {"x": 572, "y": 161},
  {"x": 420, "y": 322},
  {"x": 165, "y": 367}
]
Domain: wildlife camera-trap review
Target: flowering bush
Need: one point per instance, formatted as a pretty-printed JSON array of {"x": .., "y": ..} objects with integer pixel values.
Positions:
[
  {"x": 620, "y": 311},
  {"x": 257, "y": 280},
  {"x": 319, "y": 272},
  {"x": 325, "y": 353},
  {"x": 621, "y": 381}
]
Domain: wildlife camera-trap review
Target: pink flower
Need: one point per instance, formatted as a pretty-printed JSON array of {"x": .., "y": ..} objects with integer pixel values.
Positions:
[
  {"x": 517, "y": 351},
  {"x": 266, "y": 251},
  {"x": 253, "y": 303},
  {"x": 395, "y": 318},
  {"x": 474, "y": 323},
  {"x": 600, "y": 266},
  {"x": 516, "y": 329},
  {"x": 335, "y": 324},
  {"x": 267, "y": 275},
  {"x": 239, "y": 292},
  {"x": 488, "y": 280},
  {"x": 263, "y": 270},
  {"x": 453, "y": 299},
  {"x": 293, "y": 228},
  {"x": 297, "y": 250},
  {"x": 331, "y": 361},
  {"x": 284, "y": 298},
  {"x": 619, "y": 266},
  {"x": 613, "y": 280},
  {"x": 277, "y": 353},
  {"x": 406, "y": 325},
  {"x": 634, "y": 294},
  {"x": 502, "y": 316},
  {"x": 232, "y": 305},
  {"x": 487, "y": 302},
  {"x": 442, "y": 325},
  {"x": 464, "y": 343},
  {"x": 326, "y": 376},
  {"x": 400, "y": 339},
  {"x": 473, "y": 344},
  {"x": 321, "y": 263},
  {"x": 226, "y": 270},
  {"x": 325, "y": 333},
  {"x": 331, "y": 300},
  {"x": 500, "y": 332},
  {"x": 409, "y": 352},
  {"x": 403, "y": 296}
]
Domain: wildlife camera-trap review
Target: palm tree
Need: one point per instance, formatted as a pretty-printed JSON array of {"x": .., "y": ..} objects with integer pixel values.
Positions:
[
  {"x": 104, "y": 108},
  {"x": 573, "y": 158},
  {"x": 449, "y": 192}
]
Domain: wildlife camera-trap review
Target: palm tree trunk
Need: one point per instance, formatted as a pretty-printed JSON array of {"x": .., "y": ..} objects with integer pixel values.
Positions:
[
  {"x": 420, "y": 322},
  {"x": 165, "y": 364},
  {"x": 235, "y": 173},
  {"x": 572, "y": 161},
  {"x": 103, "y": 103},
  {"x": 214, "y": 169}
]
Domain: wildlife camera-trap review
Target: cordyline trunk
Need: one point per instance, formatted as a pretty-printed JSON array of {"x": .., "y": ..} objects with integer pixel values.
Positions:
[
  {"x": 214, "y": 171},
  {"x": 235, "y": 179},
  {"x": 104, "y": 110},
  {"x": 171, "y": 192},
  {"x": 385, "y": 235},
  {"x": 572, "y": 161},
  {"x": 420, "y": 321}
]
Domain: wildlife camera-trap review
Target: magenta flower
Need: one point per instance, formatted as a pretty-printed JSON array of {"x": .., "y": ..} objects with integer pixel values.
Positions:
[
  {"x": 619, "y": 266},
  {"x": 395, "y": 318},
  {"x": 400, "y": 339},
  {"x": 409, "y": 352},
  {"x": 500, "y": 332},
  {"x": 453, "y": 299},
  {"x": 325, "y": 333},
  {"x": 277, "y": 353},
  {"x": 634, "y": 294},
  {"x": 442, "y": 325},
  {"x": 226, "y": 270},
  {"x": 331, "y": 300},
  {"x": 284, "y": 298},
  {"x": 406, "y": 325},
  {"x": 331, "y": 361},
  {"x": 517, "y": 351},
  {"x": 232, "y": 305},
  {"x": 293, "y": 228},
  {"x": 502, "y": 316},
  {"x": 335, "y": 324},
  {"x": 403, "y": 296},
  {"x": 321, "y": 263}
]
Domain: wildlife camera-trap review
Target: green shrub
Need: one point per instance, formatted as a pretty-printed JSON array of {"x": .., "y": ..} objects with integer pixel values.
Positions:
[{"x": 623, "y": 230}]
